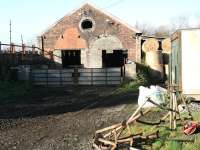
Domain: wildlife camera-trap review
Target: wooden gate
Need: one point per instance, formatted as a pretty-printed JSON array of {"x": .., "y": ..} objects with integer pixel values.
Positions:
[{"x": 76, "y": 76}]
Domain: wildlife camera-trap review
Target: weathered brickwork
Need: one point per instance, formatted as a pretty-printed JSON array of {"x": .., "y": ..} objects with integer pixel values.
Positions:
[{"x": 104, "y": 25}]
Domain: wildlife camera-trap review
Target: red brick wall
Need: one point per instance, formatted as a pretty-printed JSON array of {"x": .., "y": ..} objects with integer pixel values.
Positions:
[{"x": 53, "y": 34}]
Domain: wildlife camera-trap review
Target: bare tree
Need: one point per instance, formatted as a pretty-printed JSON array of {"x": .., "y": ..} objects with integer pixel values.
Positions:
[
  {"x": 162, "y": 31},
  {"x": 179, "y": 22},
  {"x": 145, "y": 28}
]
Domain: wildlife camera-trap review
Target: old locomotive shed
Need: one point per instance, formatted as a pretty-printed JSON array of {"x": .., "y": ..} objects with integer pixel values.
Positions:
[{"x": 91, "y": 38}]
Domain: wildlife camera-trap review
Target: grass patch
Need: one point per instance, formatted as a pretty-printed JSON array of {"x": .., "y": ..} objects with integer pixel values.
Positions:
[
  {"x": 168, "y": 139},
  {"x": 142, "y": 79},
  {"x": 14, "y": 88}
]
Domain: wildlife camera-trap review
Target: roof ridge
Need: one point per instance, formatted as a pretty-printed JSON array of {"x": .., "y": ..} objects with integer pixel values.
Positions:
[{"x": 95, "y": 7}]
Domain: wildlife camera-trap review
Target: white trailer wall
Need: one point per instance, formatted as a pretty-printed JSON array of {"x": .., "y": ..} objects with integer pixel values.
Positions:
[{"x": 190, "y": 43}]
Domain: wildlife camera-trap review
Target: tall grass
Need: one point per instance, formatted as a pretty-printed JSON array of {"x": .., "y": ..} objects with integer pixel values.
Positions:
[{"x": 14, "y": 88}]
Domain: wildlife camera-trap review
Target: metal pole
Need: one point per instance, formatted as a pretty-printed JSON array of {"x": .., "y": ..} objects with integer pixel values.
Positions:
[
  {"x": 0, "y": 46},
  {"x": 10, "y": 34},
  {"x": 22, "y": 39}
]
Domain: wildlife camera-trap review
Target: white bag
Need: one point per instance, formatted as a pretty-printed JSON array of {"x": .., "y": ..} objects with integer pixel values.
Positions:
[{"x": 154, "y": 93}]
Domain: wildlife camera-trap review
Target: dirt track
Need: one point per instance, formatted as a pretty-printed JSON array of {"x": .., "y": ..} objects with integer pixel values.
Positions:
[{"x": 60, "y": 119}]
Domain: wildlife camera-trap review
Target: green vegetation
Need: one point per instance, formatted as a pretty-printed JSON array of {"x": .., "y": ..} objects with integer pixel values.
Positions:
[
  {"x": 14, "y": 88},
  {"x": 169, "y": 140},
  {"x": 142, "y": 79}
]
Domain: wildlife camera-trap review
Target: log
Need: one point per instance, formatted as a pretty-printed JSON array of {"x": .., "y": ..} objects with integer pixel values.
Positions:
[{"x": 137, "y": 110}]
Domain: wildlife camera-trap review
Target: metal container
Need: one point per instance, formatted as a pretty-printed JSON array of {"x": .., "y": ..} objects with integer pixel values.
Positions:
[
  {"x": 154, "y": 60},
  {"x": 184, "y": 61}
]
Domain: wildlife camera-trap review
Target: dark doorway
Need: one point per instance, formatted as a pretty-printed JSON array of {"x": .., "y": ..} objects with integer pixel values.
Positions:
[
  {"x": 71, "y": 58},
  {"x": 115, "y": 59}
]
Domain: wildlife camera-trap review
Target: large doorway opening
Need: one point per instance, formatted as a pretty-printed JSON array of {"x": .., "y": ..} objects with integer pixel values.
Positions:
[
  {"x": 115, "y": 59},
  {"x": 71, "y": 58}
]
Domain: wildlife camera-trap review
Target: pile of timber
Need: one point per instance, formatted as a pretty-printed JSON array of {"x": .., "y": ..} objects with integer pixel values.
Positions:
[{"x": 110, "y": 137}]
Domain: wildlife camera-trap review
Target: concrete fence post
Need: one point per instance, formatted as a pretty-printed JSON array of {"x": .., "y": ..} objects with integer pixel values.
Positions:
[{"x": 33, "y": 49}]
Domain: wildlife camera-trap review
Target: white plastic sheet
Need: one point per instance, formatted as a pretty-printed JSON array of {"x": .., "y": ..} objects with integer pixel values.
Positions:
[{"x": 155, "y": 93}]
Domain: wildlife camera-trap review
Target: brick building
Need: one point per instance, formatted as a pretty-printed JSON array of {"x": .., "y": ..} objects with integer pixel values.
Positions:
[{"x": 91, "y": 38}]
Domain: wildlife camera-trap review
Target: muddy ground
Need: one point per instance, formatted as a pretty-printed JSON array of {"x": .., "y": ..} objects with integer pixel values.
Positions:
[{"x": 61, "y": 119}]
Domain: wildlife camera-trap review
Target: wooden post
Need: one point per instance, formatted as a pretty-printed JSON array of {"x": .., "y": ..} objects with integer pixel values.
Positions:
[
  {"x": 42, "y": 40},
  {"x": 12, "y": 48},
  {"x": 23, "y": 48},
  {"x": 171, "y": 113},
  {"x": 51, "y": 55},
  {"x": 23, "y": 52},
  {"x": 174, "y": 108}
]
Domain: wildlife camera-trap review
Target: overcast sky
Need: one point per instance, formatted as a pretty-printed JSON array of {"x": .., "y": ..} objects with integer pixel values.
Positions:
[{"x": 31, "y": 17}]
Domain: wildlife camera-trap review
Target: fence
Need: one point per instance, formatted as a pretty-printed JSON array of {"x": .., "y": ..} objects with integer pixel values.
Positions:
[
  {"x": 76, "y": 76},
  {"x": 13, "y": 55}
]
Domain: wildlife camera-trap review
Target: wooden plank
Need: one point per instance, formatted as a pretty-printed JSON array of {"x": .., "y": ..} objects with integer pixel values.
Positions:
[
  {"x": 39, "y": 79},
  {"x": 85, "y": 83},
  {"x": 53, "y": 79},
  {"x": 39, "y": 71},
  {"x": 111, "y": 132},
  {"x": 137, "y": 111},
  {"x": 67, "y": 79},
  {"x": 99, "y": 82},
  {"x": 54, "y": 83},
  {"x": 113, "y": 82},
  {"x": 108, "y": 128},
  {"x": 66, "y": 75},
  {"x": 53, "y": 75},
  {"x": 50, "y": 71},
  {"x": 85, "y": 78},
  {"x": 67, "y": 71},
  {"x": 67, "y": 83},
  {"x": 85, "y": 74},
  {"x": 39, "y": 83},
  {"x": 96, "y": 147},
  {"x": 114, "y": 78},
  {"x": 114, "y": 74},
  {"x": 99, "y": 78},
  {"x": 99, "y": 74},
  {"x": 39, "y": 75},
  {"x": 132, "y": 119},
  {"x": 106, "y": 142}
]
